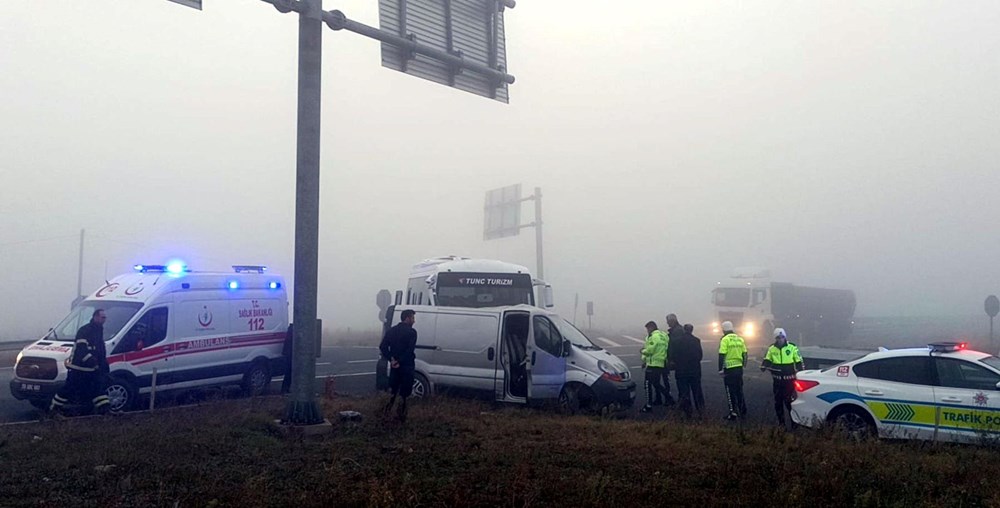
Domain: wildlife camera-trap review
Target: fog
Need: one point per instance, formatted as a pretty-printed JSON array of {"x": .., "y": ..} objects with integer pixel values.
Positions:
[{"x": 843, "y": 144}]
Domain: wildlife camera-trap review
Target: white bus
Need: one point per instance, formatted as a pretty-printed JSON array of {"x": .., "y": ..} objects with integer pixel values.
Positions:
[{"x": 454, "y": 281}]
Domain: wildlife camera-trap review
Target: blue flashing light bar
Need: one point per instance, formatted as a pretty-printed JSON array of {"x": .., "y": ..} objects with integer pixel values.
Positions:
[
  {"x": 234, "y": 285},
  {"x": 274, "y": 285},
  {"x": 175, "y": 268}
]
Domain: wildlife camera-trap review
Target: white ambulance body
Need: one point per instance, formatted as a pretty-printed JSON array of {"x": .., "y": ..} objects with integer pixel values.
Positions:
[{"x": 193, "y": 329}]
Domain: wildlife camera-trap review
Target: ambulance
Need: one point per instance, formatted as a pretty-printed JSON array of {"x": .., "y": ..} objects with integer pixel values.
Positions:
[{"x": 170, "y": 326}]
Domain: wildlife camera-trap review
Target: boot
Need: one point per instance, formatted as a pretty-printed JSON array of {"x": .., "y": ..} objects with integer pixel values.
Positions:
[
  {"x": 401, "y": 412},
  {"x": 388, "y": 407}
]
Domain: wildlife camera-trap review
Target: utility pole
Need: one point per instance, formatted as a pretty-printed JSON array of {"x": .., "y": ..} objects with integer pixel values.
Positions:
[
  {"x": 301, "y": 408},
  {"x": 79, "y": 275},
  {"x": 538, "y": 233}
]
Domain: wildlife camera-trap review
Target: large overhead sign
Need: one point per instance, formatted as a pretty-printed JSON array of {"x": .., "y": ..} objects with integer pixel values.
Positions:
[
  {"x": 503, "y": 212},
  {"x": 190, "y": 3},
  {"x": 472, "y": 30}
]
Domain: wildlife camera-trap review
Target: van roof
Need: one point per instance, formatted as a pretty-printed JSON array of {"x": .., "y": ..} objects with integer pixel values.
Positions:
[
  {"x": 142, "y": 286},
  {"x": 461, "y": 264}
]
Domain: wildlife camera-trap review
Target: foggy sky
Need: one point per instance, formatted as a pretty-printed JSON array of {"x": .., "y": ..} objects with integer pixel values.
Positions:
[{"x": 844, "y": 144}]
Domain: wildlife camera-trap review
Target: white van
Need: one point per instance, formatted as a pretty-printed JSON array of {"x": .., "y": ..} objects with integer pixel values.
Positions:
[
  {"x": 519, "y": 354},
  {"x": 193, "y": 328}
]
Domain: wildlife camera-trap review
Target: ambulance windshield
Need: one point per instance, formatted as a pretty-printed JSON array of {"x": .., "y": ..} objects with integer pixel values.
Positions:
[{"x": 118, "y": 314}]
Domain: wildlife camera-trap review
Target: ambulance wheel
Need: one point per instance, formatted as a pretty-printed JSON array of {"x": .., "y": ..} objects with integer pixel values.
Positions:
[
  {"x": 41, "y": 404},
  {"x": 257, "y": 379},
  {"x": 122, "y": 394},
  {"x": 421, "y": 387},
  {"x": 853, "y": 422}
]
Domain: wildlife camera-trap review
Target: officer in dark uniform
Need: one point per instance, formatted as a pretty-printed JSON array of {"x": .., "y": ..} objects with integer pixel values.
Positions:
[
  {"x": 86, "y": 369},
  {"x": 398, "y": 347}
]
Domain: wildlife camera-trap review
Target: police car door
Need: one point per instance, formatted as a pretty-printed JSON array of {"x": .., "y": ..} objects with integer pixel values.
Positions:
[
  {"x": 546, "y": 364},
  {"x": 899, "y": 392},
  {"x": 968, "y": 401}
]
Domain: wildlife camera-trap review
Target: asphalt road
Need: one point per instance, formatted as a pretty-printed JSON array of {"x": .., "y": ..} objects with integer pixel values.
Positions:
[{"x": 352, "y": 369}]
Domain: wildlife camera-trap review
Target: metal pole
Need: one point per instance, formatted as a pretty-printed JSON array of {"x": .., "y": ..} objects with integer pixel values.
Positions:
[
  {"x": 79, "y": 270},
  {"x": 301, "y": 408},
  {"x": 991, "y": 334},
  {"x": 152, "y": 392},
  {"x": 538, "y": 233}
]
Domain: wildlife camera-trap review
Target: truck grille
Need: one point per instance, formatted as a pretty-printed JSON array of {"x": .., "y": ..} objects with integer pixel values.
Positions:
[
  {"x": 36, "y": 368},
  {"x": 736, "y": 318}
]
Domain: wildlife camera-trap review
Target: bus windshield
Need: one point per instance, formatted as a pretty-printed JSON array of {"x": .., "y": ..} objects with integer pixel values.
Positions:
[
  {"x": 118, "y": 314},
  {"x": 455, "y": 289}
]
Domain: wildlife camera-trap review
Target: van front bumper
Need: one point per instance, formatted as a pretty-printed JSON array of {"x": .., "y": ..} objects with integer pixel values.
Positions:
[
  {"x": 32, "y": 389},
  {"x": 614, "y": 393}
]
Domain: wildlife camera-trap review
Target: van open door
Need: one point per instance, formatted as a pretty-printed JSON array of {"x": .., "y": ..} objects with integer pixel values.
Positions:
[{"x": 546, "y": 363}]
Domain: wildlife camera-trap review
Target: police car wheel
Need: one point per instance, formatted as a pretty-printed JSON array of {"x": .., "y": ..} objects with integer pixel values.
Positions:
[
  {"x": 854, "y": 423},
  {"x": 121, "y": 395},
  {"x": 421, "y": 388}
]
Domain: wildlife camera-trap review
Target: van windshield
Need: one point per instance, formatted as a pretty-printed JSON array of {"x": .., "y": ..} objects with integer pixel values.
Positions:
[
  {"x": 574, "y": 335},
  {"x": 118, "y": 314}
]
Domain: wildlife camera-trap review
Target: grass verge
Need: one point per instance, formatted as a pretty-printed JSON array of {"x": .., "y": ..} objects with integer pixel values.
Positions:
[{"x": 466, "y": 453}]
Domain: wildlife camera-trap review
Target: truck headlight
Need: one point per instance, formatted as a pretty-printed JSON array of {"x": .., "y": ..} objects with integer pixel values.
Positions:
[{"x": 749, "y": 330}]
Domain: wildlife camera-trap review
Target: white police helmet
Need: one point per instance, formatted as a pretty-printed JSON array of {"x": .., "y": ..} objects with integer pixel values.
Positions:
[
  {"x": 727, "y": 326},
  {"x": 780, "y": 332}
]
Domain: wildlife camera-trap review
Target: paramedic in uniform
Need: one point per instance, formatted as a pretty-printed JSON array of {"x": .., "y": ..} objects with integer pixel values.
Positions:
[
  {"x": 783, "y": 360},
  {"x": 86, "y": 369},
  {"x": 398, "y": 347}
]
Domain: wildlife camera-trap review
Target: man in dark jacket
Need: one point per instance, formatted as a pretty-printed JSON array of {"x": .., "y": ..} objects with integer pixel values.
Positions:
[
  {"x": 686, "y": 357},
  {"x": 398, "y": 347},
  {"x": 86, "y": 369}
]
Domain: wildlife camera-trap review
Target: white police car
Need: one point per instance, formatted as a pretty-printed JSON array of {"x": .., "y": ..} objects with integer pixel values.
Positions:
[{"x": 942, "y": 392}]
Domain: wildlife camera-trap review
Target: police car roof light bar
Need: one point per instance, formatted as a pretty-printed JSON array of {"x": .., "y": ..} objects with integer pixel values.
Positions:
[
  {"x": 249, "y": 268},
  {"x": 947, "y": 347}
]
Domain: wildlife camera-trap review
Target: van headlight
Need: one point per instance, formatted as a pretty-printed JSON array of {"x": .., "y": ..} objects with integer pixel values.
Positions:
[{"x": 610, "y": 373}]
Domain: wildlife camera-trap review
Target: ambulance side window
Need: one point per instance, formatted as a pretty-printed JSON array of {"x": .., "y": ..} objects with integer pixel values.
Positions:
[{"x": 149, "y": 330}]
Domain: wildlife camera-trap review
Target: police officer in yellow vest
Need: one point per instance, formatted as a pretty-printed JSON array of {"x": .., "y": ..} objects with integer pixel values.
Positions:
[
  {"x": 732, "y": 359},
  {"x": 654, "y": 357},
  {"x": 783, "y": 360}
]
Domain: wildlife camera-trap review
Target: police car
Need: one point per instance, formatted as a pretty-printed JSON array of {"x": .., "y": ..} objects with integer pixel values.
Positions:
[{"x": 942, "y": 392}]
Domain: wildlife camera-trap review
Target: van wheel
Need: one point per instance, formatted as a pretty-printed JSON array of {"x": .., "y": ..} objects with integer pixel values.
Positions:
[
  {"x": 122, "y": 395},
  {"x": 421, "y": 387},
  {"x": 257, "y": 379},
  {"x": 854, "y": 423},
  {"x": 575, "y": 399}
]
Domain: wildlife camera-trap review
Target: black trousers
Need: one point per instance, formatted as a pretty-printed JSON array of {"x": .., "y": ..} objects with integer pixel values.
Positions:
[
  {"x": 784, "y": 394},
  {"x": 655, "y": 379},
  {"x": 286, "y": 380},
  {"x": 733, "y": 379},
  {"x": 401, "y": 381},
  {"x": 84, "y": 388},
  {"x": 688, "y": 392}
]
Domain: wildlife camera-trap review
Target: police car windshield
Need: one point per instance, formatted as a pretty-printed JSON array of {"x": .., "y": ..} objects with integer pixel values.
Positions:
[
  {"x": 118, "y": 314},
  {"x": 572, "y": 334}
]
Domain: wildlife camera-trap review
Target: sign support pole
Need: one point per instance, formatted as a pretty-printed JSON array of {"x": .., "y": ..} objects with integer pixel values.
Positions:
[
  {"x": 538, "y": 233},
  {"x": 301, "y": 408}
]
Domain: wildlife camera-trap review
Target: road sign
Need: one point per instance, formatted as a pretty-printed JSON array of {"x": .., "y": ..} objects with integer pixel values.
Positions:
[
  {"x": 502, "y": 212},
  {"x": 590, "y": 308},
  {"x": 470, "y": 29},
  {"x": 196, "y": 4},
  {"x": 382, "y": 300},
  {"x": 992, "y": 306}
]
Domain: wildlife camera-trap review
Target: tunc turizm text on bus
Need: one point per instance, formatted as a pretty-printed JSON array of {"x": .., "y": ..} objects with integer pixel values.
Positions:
[{"x": 454, "y": 281}]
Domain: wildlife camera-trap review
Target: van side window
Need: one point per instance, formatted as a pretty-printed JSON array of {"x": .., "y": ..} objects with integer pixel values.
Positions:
[
  {"x": 547, "y": 337},
  {"x": 149, "y": 330}
]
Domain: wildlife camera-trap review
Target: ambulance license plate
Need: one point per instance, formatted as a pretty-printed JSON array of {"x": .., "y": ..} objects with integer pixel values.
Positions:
[{"x": 30, "y": 388}]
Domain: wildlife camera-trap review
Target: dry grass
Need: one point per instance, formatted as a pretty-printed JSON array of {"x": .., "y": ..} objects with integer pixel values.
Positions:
[{"x": 467, "y": 453}]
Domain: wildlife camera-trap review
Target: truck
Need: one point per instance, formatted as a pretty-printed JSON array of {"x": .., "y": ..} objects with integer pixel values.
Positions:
[
  {"x": 756, "y": 305},
  {"x": 454, "y": 281}
]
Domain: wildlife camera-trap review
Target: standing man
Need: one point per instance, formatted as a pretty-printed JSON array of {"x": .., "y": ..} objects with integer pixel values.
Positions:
[
  {"x": 732, "y": 359},
  {"x": 674, "y": 331},
  {"x": 398, "y": 347},
  {"x": 685, "y": 359},
  {"x": 783, "y": 360},
  {"x": 86, "y": 369},
  {"x": 654, "y": 357}
]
